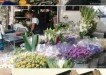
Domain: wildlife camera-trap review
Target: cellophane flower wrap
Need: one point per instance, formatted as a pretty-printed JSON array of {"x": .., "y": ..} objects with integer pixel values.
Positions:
[
  {"x": 63, "y": 48},
  {"x": 93, "y": 45},
  {"x": 70, "y": 39},
  {"x": 57, "y": 51}
]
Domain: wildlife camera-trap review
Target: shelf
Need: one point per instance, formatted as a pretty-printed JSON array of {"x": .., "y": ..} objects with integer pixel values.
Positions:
[
  {"x": 20, "y": 10},
  {"x": 20, "y": 17}
]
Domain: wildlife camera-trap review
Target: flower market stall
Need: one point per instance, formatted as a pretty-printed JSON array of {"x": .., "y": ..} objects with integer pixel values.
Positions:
[
  {"x": 56, "y": 51},
  {"x": 63, "y": 45},
  {"x": 14, "y": 21}
]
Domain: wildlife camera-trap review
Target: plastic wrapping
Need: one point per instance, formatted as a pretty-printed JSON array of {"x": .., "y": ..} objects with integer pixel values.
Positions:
[
  {"x": 53, "y": 51},
  {"x": 4, "y": 58},
  {"x": 71, "y": 49},
  {"x": 47, "y": 50},
  {"x": 92, "y": 44},
  {"x": 70, "y": 39}
]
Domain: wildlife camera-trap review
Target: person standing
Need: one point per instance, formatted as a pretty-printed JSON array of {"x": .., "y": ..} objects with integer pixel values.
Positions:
[{"x": 32, "y": 21}]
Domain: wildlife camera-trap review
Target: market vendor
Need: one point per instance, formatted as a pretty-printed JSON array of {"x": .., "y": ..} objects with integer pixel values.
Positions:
[{"x": 32, "y": 21}]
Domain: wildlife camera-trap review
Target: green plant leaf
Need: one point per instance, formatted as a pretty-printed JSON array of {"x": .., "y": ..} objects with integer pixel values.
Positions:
[
  {"x": 67, "y": 64},
  {"x": 27, "y": 43},
  {"x": 35, "y": 39},
  {"x": 88, "y": 14},
  {"x": 52, "y": 63}
]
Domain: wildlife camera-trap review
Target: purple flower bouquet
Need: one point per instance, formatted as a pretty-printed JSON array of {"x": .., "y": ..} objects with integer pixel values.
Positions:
[
  {"x": 78, "y": 52},
  {"x": 95, "y": 49}
]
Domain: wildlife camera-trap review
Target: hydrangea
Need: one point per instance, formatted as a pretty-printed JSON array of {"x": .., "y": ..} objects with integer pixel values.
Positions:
[
  {"x": 63, "y": 48},
  {"x": 78, "y": 52},
  {"x": 94, "y": 48},
  {"x": 57, "y": 50}
]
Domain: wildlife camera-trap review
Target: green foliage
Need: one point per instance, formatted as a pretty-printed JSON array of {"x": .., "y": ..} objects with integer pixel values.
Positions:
[
  {"x": 82, "y": 34},
  {"x": 68, "y": 64},
  {"x": 54, "y": 35},
  {"x": 61, "y": 26},
  {"x": 51, "y": 35},
  {"x": 88, "y": 14},
  {"x": 30, "y": 45},
  {"x": 92, "y": 28},
  {"x": 52, "y": 63},
  {"x": 88, "y": 18},
  {"x": 34, "y": 42},
  {"x": 61, "y": 37},
  {"x": 18, "y": 50}
]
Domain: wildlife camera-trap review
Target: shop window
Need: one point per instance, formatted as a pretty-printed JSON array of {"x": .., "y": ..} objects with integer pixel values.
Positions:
[{"x": 71, "y": 8}]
